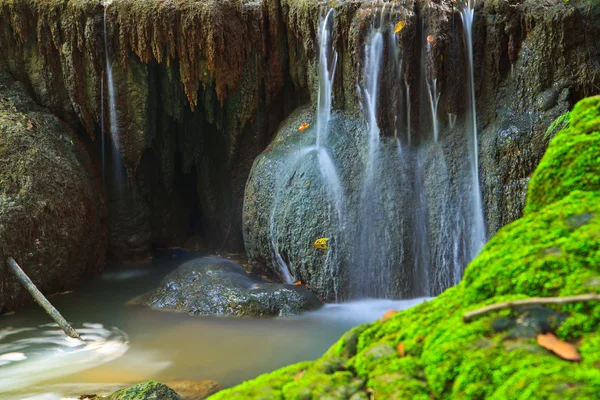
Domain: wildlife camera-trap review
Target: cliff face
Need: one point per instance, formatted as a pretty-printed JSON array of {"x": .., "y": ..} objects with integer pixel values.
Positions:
[
  {"x": 201, "y": 86},
  {"x": 198, "y": 88}
]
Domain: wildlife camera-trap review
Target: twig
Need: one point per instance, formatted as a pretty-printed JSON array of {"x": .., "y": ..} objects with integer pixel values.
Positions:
[
  {"x": 39, "y": 297},
  {"x": 468, "y": 317}
]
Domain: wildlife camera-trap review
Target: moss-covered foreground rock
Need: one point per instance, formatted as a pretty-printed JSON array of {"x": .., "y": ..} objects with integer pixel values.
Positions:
[
  {"x": 554, "y": 250},
  {"x": 150, "y": 390}
]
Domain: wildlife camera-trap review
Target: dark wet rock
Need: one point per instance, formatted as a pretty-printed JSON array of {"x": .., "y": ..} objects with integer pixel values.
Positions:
[
  {"x": 529, "y": 322},
  {"x": 222, "y": 287},
  {"x": 52, "y": 210},
  {"x": 150, "y": 390}
]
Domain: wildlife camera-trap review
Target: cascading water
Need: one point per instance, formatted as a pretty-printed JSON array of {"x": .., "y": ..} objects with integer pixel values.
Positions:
[
  {"x": 380, "y": 220},
  {"x": 112, "y": 108},
  {"x": 478, "y": 224},
  {"x": 326, "y": 68}
]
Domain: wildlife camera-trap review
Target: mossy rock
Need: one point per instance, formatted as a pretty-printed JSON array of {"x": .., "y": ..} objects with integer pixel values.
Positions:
[
  {"x": 150, "y": 390},
  {"x": 554, "y": 250}
]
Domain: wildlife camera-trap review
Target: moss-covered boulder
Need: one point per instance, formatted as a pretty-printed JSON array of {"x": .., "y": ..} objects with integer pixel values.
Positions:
[
  {"x": 52, "y": 210},
  {"x": 554, "y": 250},
  {"x": 150, "y": 390},
  {"x": 211, "y": 286}
]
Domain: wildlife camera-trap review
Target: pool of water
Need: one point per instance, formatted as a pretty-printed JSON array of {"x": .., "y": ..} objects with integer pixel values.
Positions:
[{"x": 127, "y": 344}]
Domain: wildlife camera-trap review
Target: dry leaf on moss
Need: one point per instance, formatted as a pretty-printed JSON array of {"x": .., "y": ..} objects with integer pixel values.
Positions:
[
  {"x": 388, "y": 314},
  {"x": 564, "y": 350},
  {"x": 401, "y": 350}
]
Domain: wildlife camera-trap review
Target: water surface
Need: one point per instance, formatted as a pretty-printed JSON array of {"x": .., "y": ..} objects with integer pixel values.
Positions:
[{"x": 127, "y": 344}]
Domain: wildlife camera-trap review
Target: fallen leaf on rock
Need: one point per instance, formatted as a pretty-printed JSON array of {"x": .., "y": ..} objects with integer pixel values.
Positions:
[
  {"x": 388, "y": 314},
  {"x": 321, "y": 243},
  {"x": 399, "y": 26},
  {"x": 564, "y": 350},
  {"x": 430, "y": 38},
  {"x": 303, "y": 127},
  {"x": 298, "y": 283},
  {"x": 268, "y": 149},
  {"x": 401, "y": 350}
]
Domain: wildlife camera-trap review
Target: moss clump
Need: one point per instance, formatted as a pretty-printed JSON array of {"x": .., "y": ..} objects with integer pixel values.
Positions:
[
  {"x": 150, "y": 390},
  {"x": 554, "y": 250},
  {"x": 573, "y": 162}
]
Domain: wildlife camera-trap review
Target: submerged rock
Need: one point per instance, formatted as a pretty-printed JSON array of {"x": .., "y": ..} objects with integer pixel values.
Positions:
[
  {"x": 194, "y": 390},
  {"x": 553, "y": 250},
  {"x": 221, "y": 287},
  {"x": 52, "y": 210}
]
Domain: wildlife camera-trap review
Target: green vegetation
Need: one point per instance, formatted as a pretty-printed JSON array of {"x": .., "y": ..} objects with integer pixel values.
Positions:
[{"x": 554, "y": 250}]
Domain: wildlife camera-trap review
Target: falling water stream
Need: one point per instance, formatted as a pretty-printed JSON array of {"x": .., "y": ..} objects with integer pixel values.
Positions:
[
  {"x": 112, "y": 109},
  {"x": 326, "y": 68},
  {"x": 478, "y": 224}
]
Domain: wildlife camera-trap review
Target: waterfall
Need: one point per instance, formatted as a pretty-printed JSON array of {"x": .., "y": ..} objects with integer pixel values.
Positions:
[
  {"x": 327, "y": 64},
  {"x": 112, "y": 108},
  {"x": 478, "y": 223},
  {"x": 326, "y": 70}
]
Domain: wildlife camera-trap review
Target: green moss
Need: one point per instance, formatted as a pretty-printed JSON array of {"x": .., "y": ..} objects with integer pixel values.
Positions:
[
  {"x": 150, "y": 390},
  {"x": 554, "y": 250},
  {"x": 573, "y": 160}
]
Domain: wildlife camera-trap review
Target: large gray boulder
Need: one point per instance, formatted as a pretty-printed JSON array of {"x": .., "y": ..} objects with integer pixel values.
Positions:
[
  {"x": 52, "y": 210},
  {"x": 212, "y": 286}
]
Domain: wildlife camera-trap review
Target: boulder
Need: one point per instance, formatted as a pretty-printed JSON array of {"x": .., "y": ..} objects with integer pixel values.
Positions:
[
  {"x": 210, "y": 286},
  {"x": 52, "y": 209}
]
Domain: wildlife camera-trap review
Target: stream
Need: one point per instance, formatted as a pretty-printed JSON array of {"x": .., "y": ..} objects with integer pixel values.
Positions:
[{"x": 127, "y": 344}]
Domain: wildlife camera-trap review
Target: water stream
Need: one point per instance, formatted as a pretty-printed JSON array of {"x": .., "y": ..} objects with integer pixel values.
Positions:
[{"x": 128, "y": 344}]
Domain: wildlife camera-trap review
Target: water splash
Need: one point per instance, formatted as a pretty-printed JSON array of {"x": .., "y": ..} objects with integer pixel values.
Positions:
[{"x": 478, "y": 224}]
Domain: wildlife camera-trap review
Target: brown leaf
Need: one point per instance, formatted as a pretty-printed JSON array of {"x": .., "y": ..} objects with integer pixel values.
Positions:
[
  {"x": 299, "y": 375},
  {"x": 298, "y": 283},
  {"x": 388, "y": 314},
  {"x": 303, "y": 127},
  {"x": 564, "y": 350},
  {"x": 401, "y": 350},
  {"x": 430, "y": 38}
]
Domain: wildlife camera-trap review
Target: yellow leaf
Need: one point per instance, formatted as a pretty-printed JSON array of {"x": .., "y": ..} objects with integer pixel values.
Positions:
[
  {"x": 321, "y": 243},
  {"x": 299, "y": 283},
  {"x": 564, "y": 350},
  {"x": 303, "y": 127},
  {"x": 399, "y": 26},
  {"x": 430, "y": 38}
]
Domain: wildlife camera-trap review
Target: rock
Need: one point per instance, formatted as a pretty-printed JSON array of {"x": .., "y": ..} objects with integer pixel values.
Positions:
[
  {"x": 52, "y": 207},
  {"x": 194, "y": 390},
  {"x": 210, "y": 286},
  {"x": 150, "y": 390}
]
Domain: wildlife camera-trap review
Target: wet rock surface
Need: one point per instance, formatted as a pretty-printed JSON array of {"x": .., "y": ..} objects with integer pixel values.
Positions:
[
  {"x": 222, "y": 287},
  {"x": 52, "y": 206}
]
